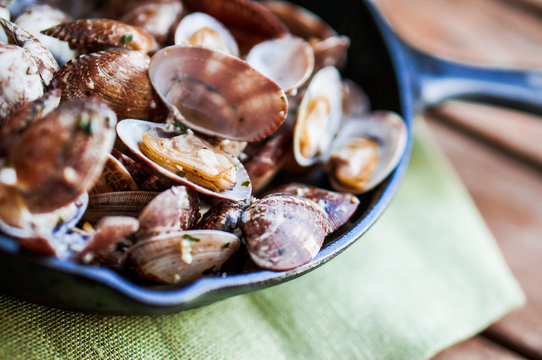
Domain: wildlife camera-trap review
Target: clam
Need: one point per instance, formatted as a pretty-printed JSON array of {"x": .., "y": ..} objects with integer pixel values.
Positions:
[
  {"x": 291, "y": 69},
  {"x": 100, "y": 248},
  {"x": 284, "y": 231},
  {"x": 43, "y": 58},
  {"x": 300, "y": 21},
  {"x": 330, "y": 52},
  {"x": 114, "y": 177},
  {"x": 19, "y": 79},
  {"x": 24, "y": 116},
  {"x": 142, "y": 174},
  {"x": 355, "y": 100},
  {"x": 40, "y": 17},
  {"x": 119, "y": 78},
  {"x": 249, "y": 22},
  {"x": 183, "y": 256},
  {"x": 173, "y": 210},
  {"x": 155, "y": 17},
  {"x": 338, "y": 206},
  {"x": 267, "y": 160},
  {"x": 217, "y": 94},
  {"x": 91, "y": 35},
  {"x": 318, "y": 117},
  {"x": 122, "y": 203},
  {"x": 224, "y": 215},
  {"x": 186, "y": 159},
  {"x": 4, "y": 14},
  {"x": 60, "y": 156},
  {"x": 366, "y": 151},
  {"x": 204, "y": 30}
]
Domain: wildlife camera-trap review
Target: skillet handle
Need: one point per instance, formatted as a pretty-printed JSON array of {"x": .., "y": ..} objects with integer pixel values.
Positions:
[{"x": 435, "y": 80}]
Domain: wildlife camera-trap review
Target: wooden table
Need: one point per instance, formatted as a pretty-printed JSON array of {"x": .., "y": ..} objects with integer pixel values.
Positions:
[{"x": 497, "y": 152}]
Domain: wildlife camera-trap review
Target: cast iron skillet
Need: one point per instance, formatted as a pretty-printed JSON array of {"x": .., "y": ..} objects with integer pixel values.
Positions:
[{"x": 395, "y": 76}]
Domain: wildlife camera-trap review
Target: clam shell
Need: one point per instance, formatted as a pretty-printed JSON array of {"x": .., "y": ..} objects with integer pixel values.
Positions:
[
  {"x": 123, "y": 203},
  {"x": 142, "y": 174},
  {"x": 173, "y": 210},
  {"x": 24, "y": 116},
  {"x": 131, "y": 131},
  {"x": 284, "y": 231},
  {"x": 355, "y": 101},
  {"x": 19, "y": 79},
  {"x": 43, "y": 58},
  {"x": 267, "y": 161},
  {"x": 60, "y": 156},
  {"x": 300, "y": 21},
  {"x": 100, "y": 34},
  {"x": 388, "y": 130},
  {"x": 155, "y": 17},
  {"x": 182, "y": 257},
  {"x": 338, "y": 206},
  {"x": 330, "y": 52},
  {"x": 249, "y": 22},
  {"x": 326, "y": 84},
  {"x": 217, "y": 94},
  {"x": 118, "y": 78},
  {"x": 190, "y": 24},
  {"x": 40, "y": 17},
  {"x": 114, "y": 177},
  {"x": 289, "y": 61},
  {"x": 224, "y": 215}
]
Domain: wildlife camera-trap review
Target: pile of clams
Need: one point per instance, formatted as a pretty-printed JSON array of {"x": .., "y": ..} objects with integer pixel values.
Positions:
[{"x": 144, "y": 136}]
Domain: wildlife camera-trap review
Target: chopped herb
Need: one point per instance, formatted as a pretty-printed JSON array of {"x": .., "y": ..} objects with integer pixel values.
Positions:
[
  {"x": 60, "y": 221},
  {"x": 181, "y": 173},
  {"x": 85, "y": 124},
  {"x": 282, "y": 98},
  {"x": 190, "y": 238},
  {"x": 226, "y": 245},
  {"x": 8, "y": 164},
  {"x": 245, "y": 183},
  {"x": 145, "y": 98},
  {"x": 180, "y": 126},
  {"x": 126, "y": 38},
  {"x": 281, "y": 251},
  {"x": 107, "y": 180},
  {"x": 241, "y": 119}
]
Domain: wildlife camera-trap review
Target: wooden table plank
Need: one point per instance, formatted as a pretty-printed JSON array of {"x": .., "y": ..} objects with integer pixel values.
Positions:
[{"x": 477, "y": 348}]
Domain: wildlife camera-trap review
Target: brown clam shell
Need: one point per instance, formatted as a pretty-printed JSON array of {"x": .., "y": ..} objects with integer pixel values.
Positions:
[
  {"x": 99, "y": 34},
  {"x": 47, "y": 65},
  {"x": 224, "y": 215},
  {"x": 338, "y": 206},
  {"x": 300, "y": 21},
  {"x": 284, "y": 231},
  {"x": 119, "y": 78},
  {"x": 142, "y": 175},
  {"x": 60, "y": 156},
  {"x": 25, "y": 115},
  {"x": 330, "y": 52},
  {"x": 249, "y": 22},
  {"x": 267, "y": 161},
  {"x": 122, "y": 203},
  {"x": 217, "y": 94},
  {"x": 182, "y": 257},
  {"x": 155, "y": 17},
  {"x": 173, "y": 210},
  {"x": 19, "y": 79},
  {"x": 114, "y": 177}
]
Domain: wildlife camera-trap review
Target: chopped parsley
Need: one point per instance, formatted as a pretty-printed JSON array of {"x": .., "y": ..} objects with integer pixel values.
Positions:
[
  {"x": 180, "y": 126},
  {"x": 126, "y": 38},
  {"x": 245, "y": 183},
  {"x": 281, "y": 251},
  {"x": 85, "y": 124},
  {"x": 190, "y": 238},
  {"x": 181, "y": 173}
]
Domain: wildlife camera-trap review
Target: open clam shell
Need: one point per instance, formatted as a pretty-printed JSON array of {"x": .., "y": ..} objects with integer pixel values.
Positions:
[
  {"x": 131, "y": 132},
  {"x": 387, "y": 131},
  {"x": 217, "y": 94},
  {"x": 318, "y": 117},
  {"x": 289, "y": 61},
  {"x": 183, "y": 256},
  {"x": 204, "y": 30}
]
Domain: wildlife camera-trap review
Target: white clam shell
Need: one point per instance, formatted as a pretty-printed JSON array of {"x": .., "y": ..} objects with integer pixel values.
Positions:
[
  {"x": 288, "y": 61},
  {"x": 131, "y": 131},
  {"x": 326, "y": 83},
  {"x": 388, "y": 130},
  {"x": 198, "y": 20}
]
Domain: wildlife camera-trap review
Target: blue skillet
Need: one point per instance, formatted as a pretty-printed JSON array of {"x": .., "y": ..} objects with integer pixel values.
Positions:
[{"x": 394, "y": 75}]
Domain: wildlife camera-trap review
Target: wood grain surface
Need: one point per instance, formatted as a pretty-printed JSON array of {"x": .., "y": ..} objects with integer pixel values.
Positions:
[{"x": 497, "y": 152}]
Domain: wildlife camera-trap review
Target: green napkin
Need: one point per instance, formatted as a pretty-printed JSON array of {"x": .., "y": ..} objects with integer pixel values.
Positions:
[{"x": 427, "y": 275}]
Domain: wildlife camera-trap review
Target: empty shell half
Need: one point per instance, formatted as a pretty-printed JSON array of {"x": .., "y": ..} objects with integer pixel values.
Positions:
[
  {"x": 217, "y": 94},
  {"x": 186, "y": 159}
]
